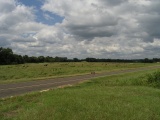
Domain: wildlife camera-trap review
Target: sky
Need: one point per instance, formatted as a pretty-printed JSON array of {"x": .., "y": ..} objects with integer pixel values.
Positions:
[{"x": 117, "y": 29}]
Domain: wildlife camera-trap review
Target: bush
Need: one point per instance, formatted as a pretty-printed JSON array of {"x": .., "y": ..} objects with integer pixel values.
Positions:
[{"x": 154, "y": 79}]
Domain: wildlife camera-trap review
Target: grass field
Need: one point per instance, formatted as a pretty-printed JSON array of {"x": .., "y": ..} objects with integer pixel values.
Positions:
[
  {"x": 119, "y": 97},
  {"x": 26, "y": 72}
]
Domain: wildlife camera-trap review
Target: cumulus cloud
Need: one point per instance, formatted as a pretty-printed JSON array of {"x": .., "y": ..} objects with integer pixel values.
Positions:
[
  {"x": 20, "y": 31},
  {"x": 86, "y": 19},
  {"x": 90, "y": 28},
  {"x": 13, "y": 16}
]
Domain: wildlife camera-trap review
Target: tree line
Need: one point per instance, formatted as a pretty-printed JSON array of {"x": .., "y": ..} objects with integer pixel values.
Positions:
[{"x": 7, "y": 57}]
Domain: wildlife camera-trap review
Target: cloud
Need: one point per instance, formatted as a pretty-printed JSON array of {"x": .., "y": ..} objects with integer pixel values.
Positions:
[
  {"x": 90, "y": 28},
  {"x": 47, "y": 17},
  {"x": 150, "y": 24},
  {"x": 86, "y": 22},
  {"x": 113, "y": 2},
  {"x": 7, "y": 6},
  {"x": 14, "y": 16}
]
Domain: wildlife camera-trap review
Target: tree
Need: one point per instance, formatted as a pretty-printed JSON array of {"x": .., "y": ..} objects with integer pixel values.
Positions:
[
  {"x": 26, "y": 58},
  {"x": 41, "y": 59},
  {"x": 6, "y": 56},
  {"x": 91, "y": 59},
  {"x": 18, "y": 59},
  {"x": 33, "y": 59},
  {"x": 75, "y": 60}
]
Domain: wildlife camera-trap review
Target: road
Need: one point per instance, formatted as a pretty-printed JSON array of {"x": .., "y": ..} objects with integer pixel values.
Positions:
[{"x": 14, "y": 89}]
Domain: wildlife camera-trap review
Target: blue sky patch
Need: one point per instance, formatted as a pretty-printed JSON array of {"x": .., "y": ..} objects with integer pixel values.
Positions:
[{"x": 44, "y": 17}]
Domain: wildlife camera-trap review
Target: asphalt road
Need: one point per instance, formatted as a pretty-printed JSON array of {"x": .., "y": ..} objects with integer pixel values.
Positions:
[{"x": 14, "y": 89}]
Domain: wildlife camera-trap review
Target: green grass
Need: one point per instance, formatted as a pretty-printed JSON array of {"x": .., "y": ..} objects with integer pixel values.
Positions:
[
  {"x": 28, "y": 72},
  {"x": 119, "y": 97}
]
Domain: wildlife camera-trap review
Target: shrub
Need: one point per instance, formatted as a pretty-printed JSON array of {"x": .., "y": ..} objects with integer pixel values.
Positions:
[{"x": 154, "y": 79}]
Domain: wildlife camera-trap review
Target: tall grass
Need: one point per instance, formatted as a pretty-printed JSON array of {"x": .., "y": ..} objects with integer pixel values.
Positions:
[
  {"x": 119, "y": 97},
  {"x": 154, "y": 79}
]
